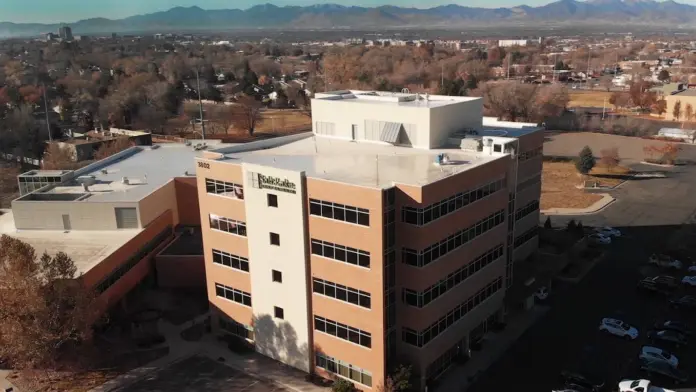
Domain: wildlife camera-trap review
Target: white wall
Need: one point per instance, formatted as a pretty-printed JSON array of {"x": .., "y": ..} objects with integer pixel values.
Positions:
[
  {"x": 48, "y": 215},
  {"x": 455, "y": 117},
  {"x": 285, "y": 340}
]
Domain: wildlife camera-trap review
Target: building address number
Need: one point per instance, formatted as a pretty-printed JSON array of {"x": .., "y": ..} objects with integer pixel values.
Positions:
[{"x": 204, "y": 165}]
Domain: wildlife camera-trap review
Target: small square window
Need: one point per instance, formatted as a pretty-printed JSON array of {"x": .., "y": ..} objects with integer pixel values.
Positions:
[
  {"x": 272, "y": 200},
  {"x": 277, "y": 276},
  {"x": 278, "y": 313},
  {"x": 275, "y": 239},
  {"x": 497, "y": 148}
]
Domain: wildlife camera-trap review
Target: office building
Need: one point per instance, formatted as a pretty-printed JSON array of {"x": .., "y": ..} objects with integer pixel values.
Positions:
[
  {"x": 65, "y": 33},
  {"x": 390, "y": 232}
]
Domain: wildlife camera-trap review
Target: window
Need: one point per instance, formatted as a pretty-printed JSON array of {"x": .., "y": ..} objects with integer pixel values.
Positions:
[
  {"x": 528, "y": 183},
  {"x": 531, "y": 154},
  {"x": 126, "y": 218},
  {"x": 526, "y": 236},
  {"x": 277, "y": 276},
  {"x": 121, "y": 270},
  {"x": 227, "y": 225},
  {"x": 419, "y": 339},
  {"x": 527, "y": 209},
  {"x": 326, "y": 209},
  {"x": 272, "y": 200},
  {"x": 454, "y": 241},
  {"x": 341, "y": 293},
  {"x": 222, "y": 188},
  {"x": 340, "y": 368},
  {"x": 343, "y": 331},
  {"x": 341, "y": 253},
  {"x": 275, "y": 239},
  {"x": 232, "y": 294},
  {"x": 497, "y": 148},
  {"x": 235, "y": 328},
  {"x": 423, "y": 216},
  {"x": 279, "y": 313},
  {"x": 230, "y": 260}
]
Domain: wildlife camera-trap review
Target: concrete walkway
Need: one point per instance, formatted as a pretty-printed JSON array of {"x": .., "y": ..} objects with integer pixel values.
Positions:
[
  {"x": 594, "y": 208},
  {"x": 5, "y": 384},
  {"x": 254, "y": 364},
  {"x": 459, "y": 377}
]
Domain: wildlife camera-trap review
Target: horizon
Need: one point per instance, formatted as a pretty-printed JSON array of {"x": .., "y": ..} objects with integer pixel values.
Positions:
[{"x": 72, "y": 11}]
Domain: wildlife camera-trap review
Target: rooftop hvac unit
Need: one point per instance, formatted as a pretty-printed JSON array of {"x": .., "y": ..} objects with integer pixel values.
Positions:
[
  {"x": 125, "y": 181},
  {"x": 86, "y": 180},
  {"x": 85, "y": 187},
  {"x": 154, "y": 146},
  {"x": 104, "y": 171}
]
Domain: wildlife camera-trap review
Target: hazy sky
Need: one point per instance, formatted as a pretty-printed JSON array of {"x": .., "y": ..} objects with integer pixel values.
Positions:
[{"x": 53, "y": 11}]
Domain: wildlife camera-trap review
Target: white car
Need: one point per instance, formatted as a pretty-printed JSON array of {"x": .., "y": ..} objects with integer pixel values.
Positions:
[
  {"x": 650, "y": 353},
  {"x": 640, "y": 386},
  {"x": 692, "y": 268},
  {"x": 618, "y": 328},
  {"x": 689, "y": 280},
  {"x": 599, "y": 239},
  {"x": 608, "y": 231},
  {"x": 665, "y": 261}
]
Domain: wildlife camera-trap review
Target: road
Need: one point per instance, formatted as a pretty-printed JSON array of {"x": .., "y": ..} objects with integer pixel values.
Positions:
[{"x": 566, "y": 338}]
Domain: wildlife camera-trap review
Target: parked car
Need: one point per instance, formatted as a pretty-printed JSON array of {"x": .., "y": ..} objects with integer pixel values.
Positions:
[
  {"x": 572, "y": 388},
  {"x": 640, "y": 386},
  {"x": 665, "y": 370},
  {"x": 672, "y": 325},
  {"x": 650, "y": 353},
  {"x": 608, "y": 231},
  {"x": 586, "y": 381},
  {"x": 685, "y": 302},
  {"x": 660, "y": 284},
  {"x": 618, "y": 328},
  {"x": 689, "y": 280},
  {"x": 667, "y": 336},
  {"x": 692, "y": 268},
  {"x": 599, "y": 239},
  {"x": 665, "y": 261},
  {"x": 542, "y": 293}
]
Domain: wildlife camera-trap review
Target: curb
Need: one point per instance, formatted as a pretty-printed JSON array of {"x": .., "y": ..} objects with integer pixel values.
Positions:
[
  {"x": 581, "y": 211},
  {"x": 656, "y": 164}
]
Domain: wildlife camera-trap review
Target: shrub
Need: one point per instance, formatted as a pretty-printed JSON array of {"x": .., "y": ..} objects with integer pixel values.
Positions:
[{"x": 585, "y": 161}]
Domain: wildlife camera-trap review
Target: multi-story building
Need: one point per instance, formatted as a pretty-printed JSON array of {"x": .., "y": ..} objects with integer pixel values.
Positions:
[
  {"x": 390, "y": 233},
  {"x": 65, "y": 33}
]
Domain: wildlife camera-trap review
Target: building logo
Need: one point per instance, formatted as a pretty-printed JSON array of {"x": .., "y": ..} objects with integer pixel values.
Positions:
[{"x": 275, "y": 183}]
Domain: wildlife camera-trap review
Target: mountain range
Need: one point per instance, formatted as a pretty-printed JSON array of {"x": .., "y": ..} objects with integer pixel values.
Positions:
[{"x": 594, "y": 12}]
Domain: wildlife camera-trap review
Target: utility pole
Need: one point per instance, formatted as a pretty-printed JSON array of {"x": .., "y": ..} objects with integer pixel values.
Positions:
[
  {"x": 48, "y": 124},
  {"x": 442, "y": 76},
  {"x": 200, "y": 104},
  {"x": 508, "y": 67},
  {"x": 604, "y": 108},
  {"x": 554, "y": 68},
  {"x": 589, "y": 60}
]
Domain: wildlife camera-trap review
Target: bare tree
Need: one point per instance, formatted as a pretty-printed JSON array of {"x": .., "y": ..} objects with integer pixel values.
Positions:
[
  {"x": 57, "y": 157},
  {"x": 688, "y": 113},
  {"x": 112, "y": 147},
  {"x": 610, "y": 158},
  {"x": 677, "y": 111},
  {"x": 247, "y": 113}
]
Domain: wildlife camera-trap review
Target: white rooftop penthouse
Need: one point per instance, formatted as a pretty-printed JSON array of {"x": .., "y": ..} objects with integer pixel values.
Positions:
[{"x": 404, "y": 119}]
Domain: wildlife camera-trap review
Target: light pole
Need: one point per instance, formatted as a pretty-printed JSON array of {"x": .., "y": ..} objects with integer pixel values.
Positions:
[
  {"x": 200, "y": 105},
  {"x": 48, "y": 124}
]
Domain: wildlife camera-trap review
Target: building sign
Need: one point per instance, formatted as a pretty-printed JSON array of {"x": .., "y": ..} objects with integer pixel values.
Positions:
[{"x": 274, "y": 183}]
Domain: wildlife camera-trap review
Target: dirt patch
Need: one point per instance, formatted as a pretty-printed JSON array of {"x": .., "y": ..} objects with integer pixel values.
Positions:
[
  {"x": 588, "y": 98},
  {"x": 558, "y": 187}
]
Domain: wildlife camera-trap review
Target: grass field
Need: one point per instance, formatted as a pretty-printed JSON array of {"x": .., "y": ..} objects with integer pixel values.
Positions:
[
  {"x": 559, "y": 182},
  {"x": 580, "y": 98}
]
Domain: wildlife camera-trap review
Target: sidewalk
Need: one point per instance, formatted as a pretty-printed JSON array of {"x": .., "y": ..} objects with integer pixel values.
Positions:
[
  {"x": 457, "y": 378},
  {"x": 5, "y": 383},
  {"x": 599, "y": 205},
  {"x": 179, "y": 349}
]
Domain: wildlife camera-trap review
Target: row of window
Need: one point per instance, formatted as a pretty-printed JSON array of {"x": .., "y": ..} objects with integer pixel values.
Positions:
[
  {"x": 236, "y": 329},
  {"x": 341, "y": 253},
  {"x": 233, "y": 294},
  {"x": 422, "y": 216},
  {"x": 39, "y": 180},
  {"x": 341, "y": 212},
  {"x": 526, "y": 236},
  {"x": 343, "y": 331},
  {"x": 224, "y": 188},
  {"x": 230, "y": 260},
  {"x": 342, "y": 293},
  {"x": 527, "y": 209},
  {"x": 228, "y": 225},
  {"x": 343, "y": 369},
  {"x": 528, "y": 183},
  {"x": 121, "y": 270},
  {"x": 531, "y": 153},
  {"x": 454, "y": 241},
  {"x": 420, "y": 339},
  {"x": 443, "y": 362},
  {"x": 430, "y": 294}
]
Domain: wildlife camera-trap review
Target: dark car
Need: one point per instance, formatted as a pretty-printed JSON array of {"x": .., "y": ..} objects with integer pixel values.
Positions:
[
  {"x": 572, "y": 388},
  {"x": 664, "y": 369},
  {"x": 586, "y": 381},
  {"x": 668, "y": 336},
  {"x": 685, "y": 302},
  {"x": 651, "y": 286},
  {"x": 673, "y": 325},
  {"x": 666, "y": 281}
]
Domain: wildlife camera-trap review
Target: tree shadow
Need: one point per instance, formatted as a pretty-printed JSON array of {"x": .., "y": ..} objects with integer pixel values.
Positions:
[{"x": 277, "y": 339}]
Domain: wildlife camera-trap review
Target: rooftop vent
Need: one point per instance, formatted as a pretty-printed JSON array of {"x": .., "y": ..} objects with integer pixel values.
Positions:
[
  {"x": 104, "y": 171},
  {"x": 154, "y": 146},
  {"x": 85, "y": 186},
  {"x": 86, "y": 180},
  {"x": 125, "y": 181}
]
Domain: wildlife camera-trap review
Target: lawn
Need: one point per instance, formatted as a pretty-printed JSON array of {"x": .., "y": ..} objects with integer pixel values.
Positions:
[
  {"x": 580, "y": 98},
  {"x": 559, "y": 182}
]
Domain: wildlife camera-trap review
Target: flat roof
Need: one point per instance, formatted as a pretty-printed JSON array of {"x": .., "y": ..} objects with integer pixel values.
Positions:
[
  {"x": 415, "y": 100},
  {"x": 86, "y": 248},
  {"x": 147, "y": 169},
  {"x": 364, "y": 164},
  {"x": 45, "y": 173}
]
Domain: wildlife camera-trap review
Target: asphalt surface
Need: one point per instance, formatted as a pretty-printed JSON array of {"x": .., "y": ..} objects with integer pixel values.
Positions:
[{"x": 648, "y": 212}]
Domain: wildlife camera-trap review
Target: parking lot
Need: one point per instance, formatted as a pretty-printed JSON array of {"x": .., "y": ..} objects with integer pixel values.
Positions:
[
  {"x": 648, "y": 213},
  {"x": 200, "y": 374}
]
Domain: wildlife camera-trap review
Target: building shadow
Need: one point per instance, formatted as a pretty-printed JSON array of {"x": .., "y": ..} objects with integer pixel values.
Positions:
[{"x": 278, "y": 340}]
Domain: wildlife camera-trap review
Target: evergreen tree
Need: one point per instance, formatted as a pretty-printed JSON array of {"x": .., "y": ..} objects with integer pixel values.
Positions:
[{"x": 585, "y": 161}]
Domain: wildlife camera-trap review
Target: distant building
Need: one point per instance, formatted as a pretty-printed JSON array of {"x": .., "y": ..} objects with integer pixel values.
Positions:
[
  {"x": 504, "y": 43},
  {"x": 65, "y": 33},
  {"x": 51, "y": 37}
]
